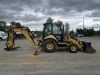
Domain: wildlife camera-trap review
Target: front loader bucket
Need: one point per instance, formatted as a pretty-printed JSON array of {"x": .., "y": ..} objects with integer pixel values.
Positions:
[{"x": 88, "y": 47}]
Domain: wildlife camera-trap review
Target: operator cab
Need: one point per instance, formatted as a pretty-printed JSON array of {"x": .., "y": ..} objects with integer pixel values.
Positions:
[{"x": 54, "y": 29}]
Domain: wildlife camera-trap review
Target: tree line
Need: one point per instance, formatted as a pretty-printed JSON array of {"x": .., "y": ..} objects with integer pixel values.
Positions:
[
  {"x": 4, "y": 26},
  {"x": 88, "y": 32},
  {"x": 85, "y": 31}
]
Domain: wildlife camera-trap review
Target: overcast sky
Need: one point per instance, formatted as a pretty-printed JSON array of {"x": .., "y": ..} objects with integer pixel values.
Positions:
[{"x": 33, "y": 13}]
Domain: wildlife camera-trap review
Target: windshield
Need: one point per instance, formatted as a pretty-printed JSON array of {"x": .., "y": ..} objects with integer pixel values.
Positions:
[
  {"x": 56, "y": 29},
  {"x": 47, "y": 29}
]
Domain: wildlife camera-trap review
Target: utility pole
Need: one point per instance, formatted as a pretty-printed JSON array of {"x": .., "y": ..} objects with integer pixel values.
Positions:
[{"x": 83, "y": 22}]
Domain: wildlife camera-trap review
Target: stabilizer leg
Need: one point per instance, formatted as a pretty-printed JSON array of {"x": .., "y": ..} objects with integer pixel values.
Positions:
[{"x": 9, "y": 49}]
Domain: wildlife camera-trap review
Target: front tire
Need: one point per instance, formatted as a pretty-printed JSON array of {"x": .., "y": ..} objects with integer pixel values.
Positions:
[
  {"x": 73, "y": 48},
  {"x": 49, "y": 46}
]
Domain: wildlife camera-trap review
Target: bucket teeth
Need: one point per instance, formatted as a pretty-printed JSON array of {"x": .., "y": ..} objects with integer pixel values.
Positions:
[{"x": 90, "y": 50}]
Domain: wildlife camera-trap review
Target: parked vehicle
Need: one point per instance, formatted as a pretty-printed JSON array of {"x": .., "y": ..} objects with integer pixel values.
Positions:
[
  {"x": 80, "y": 35},
  {"x": 3, "y": 35},
  {"x": 18, "y": 35}
]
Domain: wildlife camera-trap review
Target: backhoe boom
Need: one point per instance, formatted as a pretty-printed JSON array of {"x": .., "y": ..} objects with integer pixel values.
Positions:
[{"x": 25, "y": 31}]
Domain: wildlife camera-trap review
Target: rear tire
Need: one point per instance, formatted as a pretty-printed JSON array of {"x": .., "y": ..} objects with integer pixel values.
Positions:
[
  {"x": 49, "y": 46},
  {"x": 73, "y": 48}
]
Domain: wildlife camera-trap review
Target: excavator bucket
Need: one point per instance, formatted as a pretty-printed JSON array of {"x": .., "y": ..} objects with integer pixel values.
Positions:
[
  {"x": 38, "y": 51},
  {"x": 88, "y": 47}
]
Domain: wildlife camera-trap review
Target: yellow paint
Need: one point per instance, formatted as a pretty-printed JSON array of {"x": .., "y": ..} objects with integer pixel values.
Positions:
[
  {"x": 50, "y": 46},
  {"x": 24, "y": 31},
  {"x": 51, "y": 37},
  {"x": 73, "y": 48},
  {"x": 75, "y": 42}
]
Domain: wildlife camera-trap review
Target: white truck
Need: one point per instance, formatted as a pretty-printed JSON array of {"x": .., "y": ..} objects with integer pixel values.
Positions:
[{"x": 3, "y": 35}]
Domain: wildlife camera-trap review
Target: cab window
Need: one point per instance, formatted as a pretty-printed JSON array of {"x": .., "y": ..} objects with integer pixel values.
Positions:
[{"x": 56, "y": 29}]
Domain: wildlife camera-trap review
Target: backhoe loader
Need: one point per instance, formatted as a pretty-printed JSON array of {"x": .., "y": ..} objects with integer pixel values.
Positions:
[{"x": 52, "y": 39}]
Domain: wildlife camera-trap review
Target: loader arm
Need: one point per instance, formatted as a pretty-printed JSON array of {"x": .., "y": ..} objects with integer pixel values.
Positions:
[
  {"x": 82, "y": 45},
  {"x": 76, "y": 41},
  {"x": 25, "y": 31}
]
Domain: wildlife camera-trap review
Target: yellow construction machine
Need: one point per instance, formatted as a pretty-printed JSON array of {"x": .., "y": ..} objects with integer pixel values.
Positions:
[{"x": 52, "y": 39}]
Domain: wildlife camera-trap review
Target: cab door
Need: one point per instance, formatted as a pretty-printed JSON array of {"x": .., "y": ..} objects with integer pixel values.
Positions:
[
  {"x": 58, "y": 32},
  {"x": 47, "y": 30}
]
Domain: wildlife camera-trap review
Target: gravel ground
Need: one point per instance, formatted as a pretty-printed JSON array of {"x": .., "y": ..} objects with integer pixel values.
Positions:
[{"x": 23, "y": 62}]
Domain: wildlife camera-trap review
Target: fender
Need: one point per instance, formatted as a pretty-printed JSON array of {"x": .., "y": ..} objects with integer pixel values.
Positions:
[{"x": 51, "y": 37}]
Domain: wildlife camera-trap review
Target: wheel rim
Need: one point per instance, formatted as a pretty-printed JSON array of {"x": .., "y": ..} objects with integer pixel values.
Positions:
[
  {"x": 73, "y": 48},
  {"x": 50, "y": 46}
]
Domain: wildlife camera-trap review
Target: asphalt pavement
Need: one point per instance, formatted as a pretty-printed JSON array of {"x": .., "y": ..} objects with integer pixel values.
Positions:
[{"x": 23, "y": 62}]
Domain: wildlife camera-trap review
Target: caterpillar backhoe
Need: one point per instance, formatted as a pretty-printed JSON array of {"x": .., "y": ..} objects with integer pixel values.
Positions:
[{"x": 52, "y": 39}]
